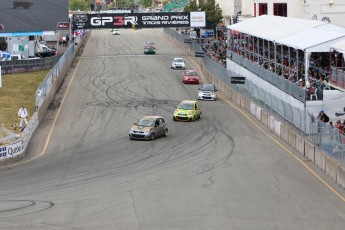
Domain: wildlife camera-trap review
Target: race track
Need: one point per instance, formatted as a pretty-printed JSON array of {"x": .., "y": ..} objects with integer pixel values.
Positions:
[{"x": 221, "y": 172}]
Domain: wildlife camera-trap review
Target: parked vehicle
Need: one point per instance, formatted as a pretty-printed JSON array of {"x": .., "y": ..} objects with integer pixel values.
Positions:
[
  {"x": 44, "y": 51},
  {"x": 21, "y": 57}
]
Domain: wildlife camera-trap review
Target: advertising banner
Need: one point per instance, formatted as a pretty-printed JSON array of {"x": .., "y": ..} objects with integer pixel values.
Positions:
[
  {"x": 11, "y": 150},
  {"x": 139, "y": 20},
  {"x": 32, "y": 15}
]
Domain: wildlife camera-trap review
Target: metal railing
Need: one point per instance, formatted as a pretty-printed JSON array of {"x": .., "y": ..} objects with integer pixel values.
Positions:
[{"x": 338, "y": 77}]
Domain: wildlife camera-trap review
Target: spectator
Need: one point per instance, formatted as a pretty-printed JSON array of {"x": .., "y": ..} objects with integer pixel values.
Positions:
[
  {"x": 340, "y": 126},
  {"x": 23, "y": 115},
  {"x": 64, "y": 41},
  {"x": 323, "y": 116}
]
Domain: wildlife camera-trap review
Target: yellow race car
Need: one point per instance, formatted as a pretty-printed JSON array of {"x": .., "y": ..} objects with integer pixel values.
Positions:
[{"x": 187, "y": 111}]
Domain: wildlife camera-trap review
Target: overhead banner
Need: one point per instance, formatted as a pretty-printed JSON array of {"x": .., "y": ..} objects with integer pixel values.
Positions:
[
  {"x": 32, "y": 15},
  {"x": 139, "y": 20}
]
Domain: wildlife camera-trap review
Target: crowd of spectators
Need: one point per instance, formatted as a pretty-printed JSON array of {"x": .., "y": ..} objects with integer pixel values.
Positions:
[
  {"x": 286, "y": 62},
  {"x": 214, "y": 46}
]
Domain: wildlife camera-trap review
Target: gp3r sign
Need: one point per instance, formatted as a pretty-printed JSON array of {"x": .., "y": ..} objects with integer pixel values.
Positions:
[{"x": 139, "y": 20}]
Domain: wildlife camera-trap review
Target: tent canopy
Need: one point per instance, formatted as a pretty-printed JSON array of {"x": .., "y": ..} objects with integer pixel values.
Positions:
[
  {"x": 307, "y": 35},
  {"x": 339, "y": 46}
]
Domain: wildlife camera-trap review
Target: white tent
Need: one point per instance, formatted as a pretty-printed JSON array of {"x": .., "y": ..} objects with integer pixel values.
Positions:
[
  {"x": 307, "y": 35},
  {"x": 339, "y": 46},
  {"x": 273, "y": 27}
]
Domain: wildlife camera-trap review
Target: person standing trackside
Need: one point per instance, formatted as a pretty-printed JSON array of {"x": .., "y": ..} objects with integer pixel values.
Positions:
[{"x": 23, "y": 115}]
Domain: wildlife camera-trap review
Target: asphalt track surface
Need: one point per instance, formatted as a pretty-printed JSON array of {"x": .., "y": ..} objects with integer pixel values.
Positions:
[
  {"x": 42, "y": 15},
  {"x": 224, "y": 171}
]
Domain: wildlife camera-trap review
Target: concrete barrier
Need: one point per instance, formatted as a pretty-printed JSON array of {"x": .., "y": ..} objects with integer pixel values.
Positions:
[
  {"x": 284, "y": 134},
  {"x": 320, "y": 159},
  {"x": 332, "y": 168},
  {"x": 341, "y": 177},
  {"x": 277, "y": 128},
  {"x": 300, "y": 144},
  {"x": 247, "y": 105},
  {"x": 264, "y": 118},
  {"x": 292, "y": 138},
  {"x": 309, "y": 151}
]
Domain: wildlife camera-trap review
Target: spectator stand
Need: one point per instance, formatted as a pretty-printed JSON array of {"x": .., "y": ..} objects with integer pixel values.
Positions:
[{"x": 297, "y": 50}]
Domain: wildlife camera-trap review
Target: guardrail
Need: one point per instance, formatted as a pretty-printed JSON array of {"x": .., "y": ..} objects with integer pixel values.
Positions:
[
  {"x": 17, "y": 148},
  {"x": 333, "y": 168}
]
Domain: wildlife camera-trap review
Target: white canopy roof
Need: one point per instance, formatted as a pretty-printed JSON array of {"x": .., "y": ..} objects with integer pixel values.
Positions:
[
  {"x": 312, "y": 40},
  {"x": 339, "y": 46},
  {"x": 308, "y": 35}
]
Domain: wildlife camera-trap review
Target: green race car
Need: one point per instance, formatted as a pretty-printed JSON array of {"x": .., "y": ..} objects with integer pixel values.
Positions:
[
  {"x": 187, "y": 111},
  {"x": 149, "y": 50}
]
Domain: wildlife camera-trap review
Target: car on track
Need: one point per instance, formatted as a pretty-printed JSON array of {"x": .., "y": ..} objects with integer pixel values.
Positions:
[
  {"x": 178, "y": 63},
  {"x": 149, "y": 50},
  {"x": 149, "y": 128},
  {"x": 190, "y": 77},
  {"x": 115, "y": 31},
  {"x": 149, "y": 43},
  {"x": 207, "y": 92},
  {"x": 188, "y": 110}
]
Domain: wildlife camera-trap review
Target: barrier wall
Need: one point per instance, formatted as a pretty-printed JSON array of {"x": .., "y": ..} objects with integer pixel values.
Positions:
[{"x": 329, "y": 165}]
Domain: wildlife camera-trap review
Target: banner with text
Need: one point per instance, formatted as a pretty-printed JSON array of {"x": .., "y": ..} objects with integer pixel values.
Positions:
[{"x": 139, "y": 20}]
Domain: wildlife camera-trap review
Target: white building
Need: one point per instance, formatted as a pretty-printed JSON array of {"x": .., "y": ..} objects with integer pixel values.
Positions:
[
  {"x": 322, "y": 10},
  {"x": 230, "y": 9}
]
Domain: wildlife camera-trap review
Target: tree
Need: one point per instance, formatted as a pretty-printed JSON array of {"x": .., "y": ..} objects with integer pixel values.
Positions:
[
  {"x": 83, "y": 5},
  {"x": 146, "y": 3}
]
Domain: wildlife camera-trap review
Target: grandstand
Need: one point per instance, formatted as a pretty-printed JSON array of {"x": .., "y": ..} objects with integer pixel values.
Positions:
[{"x": 175, "y": 6}]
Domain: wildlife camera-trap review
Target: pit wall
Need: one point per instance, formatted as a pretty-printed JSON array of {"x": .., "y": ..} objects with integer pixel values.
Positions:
[{"x": 320, "y": 158}]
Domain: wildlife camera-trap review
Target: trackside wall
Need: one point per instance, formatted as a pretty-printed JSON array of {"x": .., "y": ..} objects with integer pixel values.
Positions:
[{"x": 326, "y": 163}]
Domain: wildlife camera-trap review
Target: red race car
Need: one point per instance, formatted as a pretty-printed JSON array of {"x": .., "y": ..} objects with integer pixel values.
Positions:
[{"x": 190, "y": 77}]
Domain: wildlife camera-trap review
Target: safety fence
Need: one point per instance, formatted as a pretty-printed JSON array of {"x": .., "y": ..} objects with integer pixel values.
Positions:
[
  {"x": 14, "y": 147},
  {"x": 338, "y": 77},
  {"x": 330, "y": 160},
  {"x": 29, "y": 65}
]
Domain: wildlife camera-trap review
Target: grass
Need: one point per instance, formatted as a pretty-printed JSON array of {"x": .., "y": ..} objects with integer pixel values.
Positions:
[{"x": 18, "y": 89}]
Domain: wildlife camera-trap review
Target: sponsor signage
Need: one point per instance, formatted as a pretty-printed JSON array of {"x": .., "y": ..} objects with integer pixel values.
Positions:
[
  {"x": 11, "y": 150},
  {"x": 238, "y": 80},
  {"x": 139, "y": 20},
  {"x": 63, "y": 25}
]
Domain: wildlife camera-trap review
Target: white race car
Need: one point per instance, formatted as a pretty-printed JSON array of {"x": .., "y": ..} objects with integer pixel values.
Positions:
[
  {"x": 116, "y": 32},
  {"x": 178, "y": 63},
  {"x": 207, "y": 92}
]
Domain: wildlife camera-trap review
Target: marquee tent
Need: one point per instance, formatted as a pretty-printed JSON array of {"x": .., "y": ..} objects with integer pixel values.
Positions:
[{"x": 307, "y": 35}]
